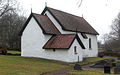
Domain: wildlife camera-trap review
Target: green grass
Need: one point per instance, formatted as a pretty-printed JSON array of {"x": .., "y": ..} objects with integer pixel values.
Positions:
[
  {"x": 13, "y": 52},
  {"x": 17, "y": 65},
  {"x": 92, "y": 59},
  {"x": 117, "y": 61},
  {"x": 89, "y": 72}
]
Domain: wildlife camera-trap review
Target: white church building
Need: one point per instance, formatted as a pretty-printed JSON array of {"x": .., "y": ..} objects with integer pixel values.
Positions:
[{"x": 57, "y": 35}]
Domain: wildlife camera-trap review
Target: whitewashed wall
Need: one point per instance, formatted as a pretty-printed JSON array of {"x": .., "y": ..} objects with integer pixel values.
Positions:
[
  {"x": 57, "y": 24},
  {"x": 33, "y": 40},
  {"x": 65, "y": 54},
  {"x": 93, "y": 52},
  {"x": 86, "y": 52},
  {"x": 72, "y": 55}
]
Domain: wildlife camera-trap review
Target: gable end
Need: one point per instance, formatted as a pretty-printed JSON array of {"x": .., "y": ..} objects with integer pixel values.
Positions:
[
  {"x": 56, "y": 42},
  {"x": 44, "y": 23},
  {"x": 46, "y": 9},
  {"x": 79, "y": 41},
  {"x": 26, "y": 23}
]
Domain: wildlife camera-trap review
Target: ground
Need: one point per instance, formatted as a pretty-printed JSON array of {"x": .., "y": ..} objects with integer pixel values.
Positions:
[
  {"x": 14, "y": 64},
  {"x": 17, "y": 65},
  {"x": 87, "y": 70}
]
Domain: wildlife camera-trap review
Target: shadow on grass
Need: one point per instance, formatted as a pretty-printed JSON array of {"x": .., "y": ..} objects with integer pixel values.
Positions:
[{"x": 11, "y": 54}]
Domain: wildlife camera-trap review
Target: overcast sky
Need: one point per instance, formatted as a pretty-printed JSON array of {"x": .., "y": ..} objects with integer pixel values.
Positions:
[{"x": 99, "y": 13}]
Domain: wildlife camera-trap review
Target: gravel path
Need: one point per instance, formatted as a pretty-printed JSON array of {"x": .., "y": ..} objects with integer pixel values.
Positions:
[
  {"x": 64, "y": 71},
  {"x": 88, "y": 65}
]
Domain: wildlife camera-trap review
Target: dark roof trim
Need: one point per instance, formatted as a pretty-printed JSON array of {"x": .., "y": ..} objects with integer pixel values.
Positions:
[
  {"x": 55, "y": 48},
  {"x": 84, "y": 35},
  {"x": 80, "y": 42},
  {"x": 47, "y": 8},
  {"x": 44, "y": 10},
  {"x": 25, "y": 25},
  {"x": 39, "y": 25},
  {"x": 76, "y": 37},
  {"x": 47, "y": 42}
]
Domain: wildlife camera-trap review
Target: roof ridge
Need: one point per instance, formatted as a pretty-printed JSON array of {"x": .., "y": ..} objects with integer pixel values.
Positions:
[
  {"x": 70, "y": 22},
  {"x": 65, "y": 12},
  {"x": 38, "y": 14},
  {"x": 77, "y": 21}
]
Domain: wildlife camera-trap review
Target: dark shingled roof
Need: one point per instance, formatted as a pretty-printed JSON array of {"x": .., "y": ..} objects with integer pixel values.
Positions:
[
  {"x": 44, "y": 22},
  {"x": 63, "y": 41},
  {"x": 71, "y": 22}
]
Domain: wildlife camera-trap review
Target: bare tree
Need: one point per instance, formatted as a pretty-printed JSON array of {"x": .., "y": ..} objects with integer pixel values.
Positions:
[
  {"x": 115, "y": 33},
  {"x": 112, "y": 40},
  {"x": 10, "y": 24},
  {"x": 99, "y": 44},
  {"x": 9, "y": 29},
  {"x": 80, "y": 2},
  {"x": 7, "y": 6}
]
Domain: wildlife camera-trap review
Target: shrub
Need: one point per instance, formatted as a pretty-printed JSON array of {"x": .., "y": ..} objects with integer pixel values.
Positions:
[
  {"x": 4, "y": 51},
  {"x": 101, "y": 54}
]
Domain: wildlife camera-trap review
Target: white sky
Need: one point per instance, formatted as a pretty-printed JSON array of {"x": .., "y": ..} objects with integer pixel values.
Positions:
[{"x": 99, "y": 13}]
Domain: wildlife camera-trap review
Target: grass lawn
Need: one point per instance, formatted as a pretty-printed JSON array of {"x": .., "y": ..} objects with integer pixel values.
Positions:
[
  {"x": 13, "y": 52},
  {"x": 17, "y": 65},
  {"x": 89, "y": 72}
]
